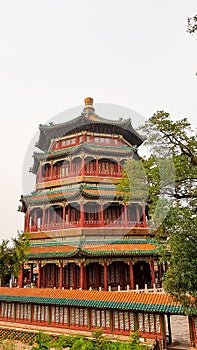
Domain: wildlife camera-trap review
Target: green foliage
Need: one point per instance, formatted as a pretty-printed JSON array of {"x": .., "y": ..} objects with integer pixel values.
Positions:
[
  {"x": 134, "y": 183},
  {"x": 43, "y": 341},
  {"x": 11, "y": 256},
  {"x": 171, "y": 181}
]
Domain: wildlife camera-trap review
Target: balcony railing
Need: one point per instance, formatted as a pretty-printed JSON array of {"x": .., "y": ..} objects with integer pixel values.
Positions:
[
  {"x": 75, "y": 174},
  {"x": 86, "y": 223}
]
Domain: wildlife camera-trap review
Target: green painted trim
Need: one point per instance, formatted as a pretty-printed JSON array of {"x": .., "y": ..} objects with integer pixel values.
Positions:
[{"x": 161, "y": 308}]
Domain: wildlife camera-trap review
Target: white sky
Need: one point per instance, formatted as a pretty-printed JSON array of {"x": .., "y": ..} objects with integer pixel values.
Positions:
[{"x": 53, "y": 53}]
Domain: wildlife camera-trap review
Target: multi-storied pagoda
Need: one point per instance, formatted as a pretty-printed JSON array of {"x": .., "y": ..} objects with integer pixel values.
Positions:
[
  {"x": 87, "y": 244},
  {"x": 83, "y": 235}
]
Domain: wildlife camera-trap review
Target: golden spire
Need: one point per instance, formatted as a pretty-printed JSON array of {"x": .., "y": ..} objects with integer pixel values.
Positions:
[{"x": 88, "y": 103}]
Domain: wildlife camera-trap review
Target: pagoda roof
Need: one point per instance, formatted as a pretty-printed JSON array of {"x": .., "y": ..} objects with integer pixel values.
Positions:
[
  {"x": 141, "y": 302},
  {"x": 92, "y": 249},
  {"x": 91, "y": 149},
  {"x": 67, "y": 193},
  {"x": 88, "y": 120}
]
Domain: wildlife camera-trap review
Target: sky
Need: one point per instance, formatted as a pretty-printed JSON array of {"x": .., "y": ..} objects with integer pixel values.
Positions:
[{"x": 53, "y": 53}]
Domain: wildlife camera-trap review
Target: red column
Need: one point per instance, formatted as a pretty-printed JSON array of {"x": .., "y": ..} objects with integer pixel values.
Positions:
[
  {"x": 64, "y": 215},
  {"x": 105, "y": 276},
  {"x": 82, "y": 165},
  {"x": 96, "y": 170},
  {"x": 81, "y": 214},
  {"x": 132, "y": 282},
  {"x": 61, "y": 276},
  {"x": 43, "y": 219},
  {"x": 39, "y": 275},
  {"x": 21, "y": 276},
  {"x": 51, "y": 171},
  {"x": 101, "y": 215},
  {"x": 152, "y": 272},
  {"x": 81, "y": 283}
]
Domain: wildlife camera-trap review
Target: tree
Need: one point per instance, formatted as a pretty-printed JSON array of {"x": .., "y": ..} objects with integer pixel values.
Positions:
[
  {"x": 171, "y": 180},
  {"x": 19, "y": 252},
  {"x": 12, "y": 256}
]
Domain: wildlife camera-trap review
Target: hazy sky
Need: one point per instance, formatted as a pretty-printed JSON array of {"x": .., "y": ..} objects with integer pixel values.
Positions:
[{"x": 54, "y": 53}]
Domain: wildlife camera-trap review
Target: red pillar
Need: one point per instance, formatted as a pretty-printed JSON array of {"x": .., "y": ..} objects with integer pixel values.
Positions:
[
  {"x": 39, "y": 275},
  {"x": 82, "y": 165},
  {"x": 21, "y": 276},
  {"x": 51, "y": 171},
  {"x": 81, "y": 282},
  {"x": 131, "y": 273},
  {"x": 43, "y": 218},
  {"x": 61, "y": 276},
  {"x": 81, "y": 214},
  {"x": 101, "y": 215},
  {"x": 64, "y": 215},
  {"x": 105, "y": 276},
  {"x": 97, "y": 169},
  {"x": 152, "y": 272}
]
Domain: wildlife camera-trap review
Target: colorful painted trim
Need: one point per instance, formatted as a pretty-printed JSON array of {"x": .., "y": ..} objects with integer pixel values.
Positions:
[{"x": 105, "y": 249}]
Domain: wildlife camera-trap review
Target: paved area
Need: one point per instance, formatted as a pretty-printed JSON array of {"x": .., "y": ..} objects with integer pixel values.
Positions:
[{"x": 180, "y": 332}]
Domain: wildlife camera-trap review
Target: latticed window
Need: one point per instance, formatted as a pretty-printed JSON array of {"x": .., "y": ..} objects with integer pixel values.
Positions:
[
  {"x": 35, "y": 313},
  {"x": 141, "y": 322},
  {"x": 132, "y": 321},
  {"x": 149, "y": 323}
]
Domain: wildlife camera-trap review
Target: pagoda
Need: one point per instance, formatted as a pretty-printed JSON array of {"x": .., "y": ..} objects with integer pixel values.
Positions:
[
  {"x": 92, "y": 255},
  {"x": 83, "y": 235}
]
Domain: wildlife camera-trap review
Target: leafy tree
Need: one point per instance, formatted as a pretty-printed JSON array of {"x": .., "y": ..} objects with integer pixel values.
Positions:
[
  {"x": 19, "y": 252},
  {"x": 171, "y": 180},
  {"x": 12, "y": 256},
  {"x": 4, "y": 261}
]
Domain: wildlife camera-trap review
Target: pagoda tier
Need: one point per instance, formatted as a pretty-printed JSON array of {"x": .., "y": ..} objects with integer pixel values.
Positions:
[
  {"x": 90, "y": 122},
  {"x": 79, "y": 264}
]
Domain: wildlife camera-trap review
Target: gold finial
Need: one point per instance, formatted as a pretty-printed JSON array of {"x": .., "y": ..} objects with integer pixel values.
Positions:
[{"x": 88, "y": 102}]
